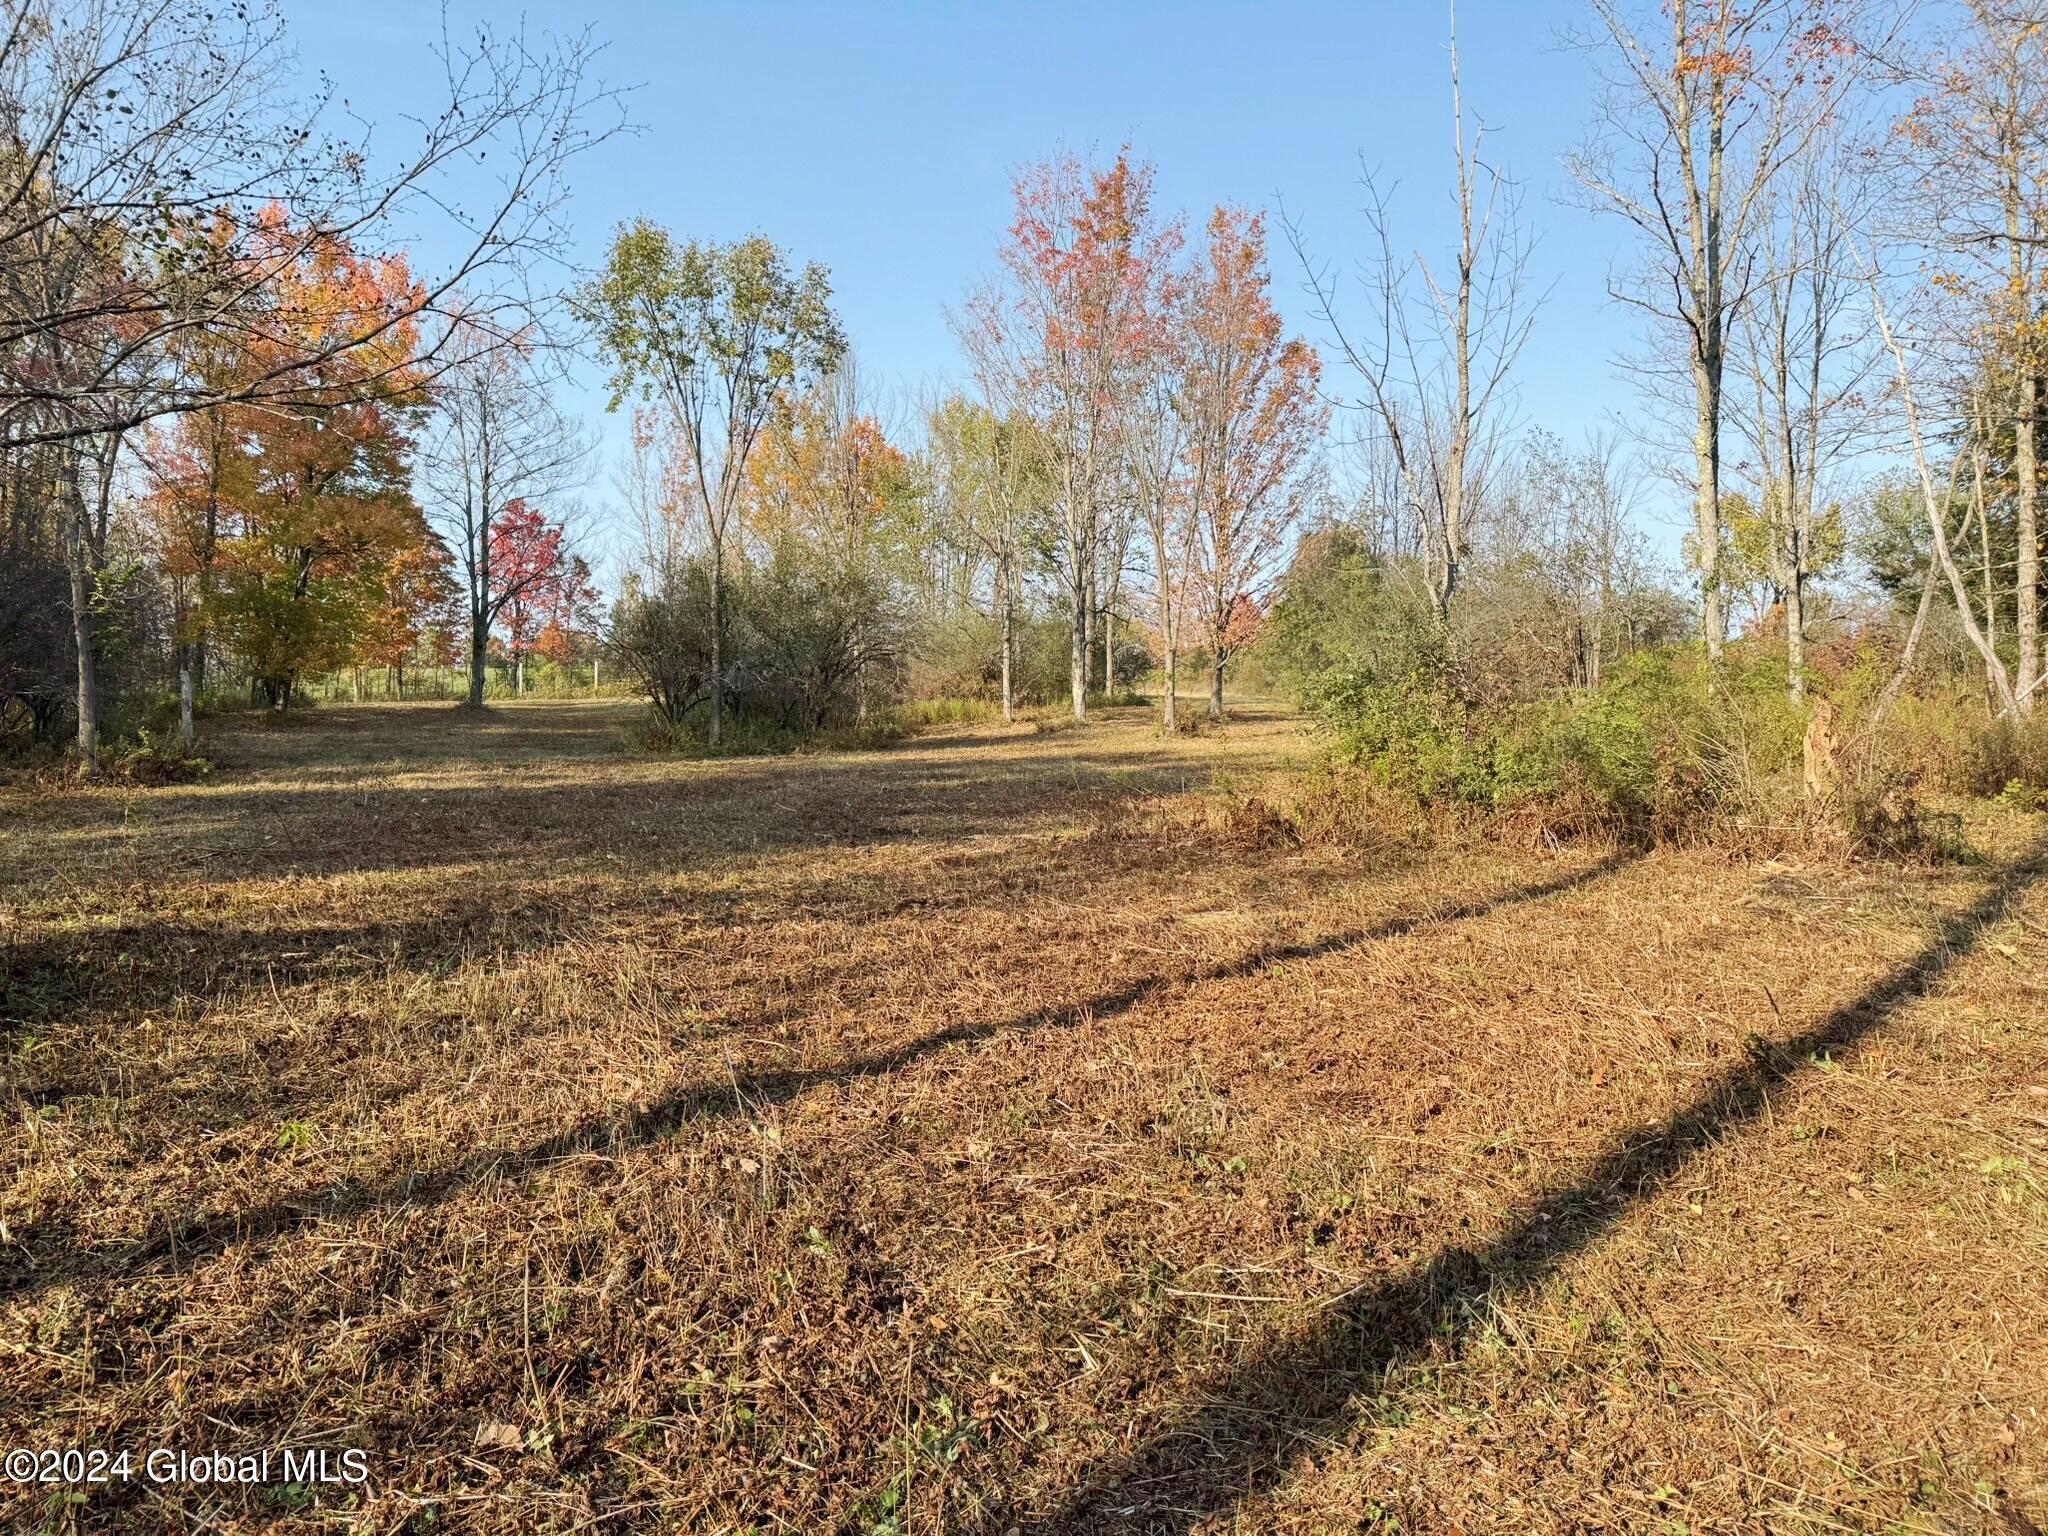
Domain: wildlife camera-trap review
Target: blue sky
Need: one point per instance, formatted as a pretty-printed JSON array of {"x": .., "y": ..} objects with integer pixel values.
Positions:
[{"x": 880, "y": 139}]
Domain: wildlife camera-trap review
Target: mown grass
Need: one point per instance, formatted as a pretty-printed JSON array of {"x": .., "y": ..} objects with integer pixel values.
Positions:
[{"x": 970, "y": 1137}]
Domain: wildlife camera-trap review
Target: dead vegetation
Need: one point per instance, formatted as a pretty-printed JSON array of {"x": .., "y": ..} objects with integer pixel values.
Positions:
[{"x": 983, "y": 1135}]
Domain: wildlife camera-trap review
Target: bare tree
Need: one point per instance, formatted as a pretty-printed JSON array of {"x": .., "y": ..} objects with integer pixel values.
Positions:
[
  {"x": 496, "y": 439},
  {"x": 1571, "y": 519},
  {"x": 1976, "y": 142},
  {"x": 137, "y": 137},
  {"x": 1808, "y": 364},
  {"x": 1936, "y": 503},
  {"x": 1437, "y": 357},
  {"x": 1692, "y": 129}
]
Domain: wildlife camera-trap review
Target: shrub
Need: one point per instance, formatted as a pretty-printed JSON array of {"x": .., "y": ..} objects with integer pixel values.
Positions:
[
  {"x": 1658, "y": 750},
  {"x": 1409, "y": 731},
  {"x": 812, "y": 647},
  {"x": 154, "y": 759},
  {"x": 958, "y": 656},
  {"x": 819, "y": 642},
  {"x": 1955, "y": 744},
  {"x": 918, "y": 715},
  {"x": 1343, "y": 609},
  {"x": 662, "y": 639}
]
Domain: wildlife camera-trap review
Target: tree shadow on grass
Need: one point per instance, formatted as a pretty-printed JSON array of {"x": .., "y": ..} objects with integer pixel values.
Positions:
[
  {"x": 1213, "y": 1458},
  {"x": 482, "y": 843},
  {"x": 25, "y": 1271},
  {"x": 656, "y": 817}
]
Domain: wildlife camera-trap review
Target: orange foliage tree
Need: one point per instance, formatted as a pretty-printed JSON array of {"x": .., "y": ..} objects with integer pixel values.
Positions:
[
  {"x": 826, "y": 474},
  {"x": 316, "y": 536},
  {"x": 1255, "y": 418},
  {"x": 1061, "y": 341}
]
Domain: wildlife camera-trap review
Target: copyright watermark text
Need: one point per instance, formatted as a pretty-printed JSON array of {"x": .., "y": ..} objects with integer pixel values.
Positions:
[{"x": 321, "y": 1464}]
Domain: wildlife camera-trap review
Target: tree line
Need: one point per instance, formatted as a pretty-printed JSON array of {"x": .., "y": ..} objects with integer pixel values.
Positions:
[
  {"x": 217, "y": 362},
  {"x": 246, "y": 434}
]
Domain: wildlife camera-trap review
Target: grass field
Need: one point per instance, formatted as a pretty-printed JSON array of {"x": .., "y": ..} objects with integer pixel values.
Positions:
[{"x": 961, "y": 1138}]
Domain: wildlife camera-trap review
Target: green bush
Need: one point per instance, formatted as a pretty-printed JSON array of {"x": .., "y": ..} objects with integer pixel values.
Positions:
[
  {"x": 154, "y": 759},
  {"x": 1343, "y": 609},
  {"x": 1409, "y": 731},
  {"x": 1954, "y": 743},
  {"x": 1656, "y": 748},
  {"x": 809, "y": 644}
]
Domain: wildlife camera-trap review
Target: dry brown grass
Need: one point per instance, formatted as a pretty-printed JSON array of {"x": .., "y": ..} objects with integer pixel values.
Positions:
[{"x": 944, "y": 1139}]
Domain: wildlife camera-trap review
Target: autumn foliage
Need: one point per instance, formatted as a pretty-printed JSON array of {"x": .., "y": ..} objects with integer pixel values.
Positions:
[
  {"x": 541, "y": 590},
  {"x": 292, "y": 525}
]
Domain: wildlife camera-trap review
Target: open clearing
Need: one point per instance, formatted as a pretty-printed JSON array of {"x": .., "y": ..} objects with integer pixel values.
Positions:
[{"x": 945, "y": 1139}]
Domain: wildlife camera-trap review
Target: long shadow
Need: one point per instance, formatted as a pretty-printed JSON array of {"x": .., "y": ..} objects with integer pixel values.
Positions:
[
  {"x": 24, "y": 1272},
  {"x": 680, "y": 819},
  {"x": 145, "y": 965},
  {"x": 1213, "y": 1458},
  {"x": 150, "y": 961},
  {"x": 80, "y": 992},
  {"x": 83, "y": 981}
]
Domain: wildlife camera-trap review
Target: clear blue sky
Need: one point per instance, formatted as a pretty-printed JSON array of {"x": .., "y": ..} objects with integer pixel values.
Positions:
[{"x": 880, "y": 138}]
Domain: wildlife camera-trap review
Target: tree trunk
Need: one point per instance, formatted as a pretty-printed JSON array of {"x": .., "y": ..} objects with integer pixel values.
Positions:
[
  {"x": 1168, "y": 717},
  {"x": 1795, "y": 629},
  {"x": 717, "y": 625},
  {"x": 1977, "y": 499},
  {"x": 1707, "y": 508},
  {"x": 355, "y": 685},
  {"x": 519, "y": 675},
  {"x": 476, "y": 666},
  {"x": 2027, "y": 683},
  {"x": 1087, "y": 638},
  {"x": 1079, "y": 659},
  {"x": 1911, "y": 649},
  {"x": 77, "y": 563},
  {"x": 188, "y": 734},
  {"x": 1801, "y": 514},
  {"x": 1009, "y": 648},
  {"x": 1216, "y": 688}
]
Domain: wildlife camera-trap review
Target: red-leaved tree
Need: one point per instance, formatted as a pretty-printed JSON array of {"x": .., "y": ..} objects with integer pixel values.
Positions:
[
  {"x": 1255, "y": 420},
  {"x": 1062, "y": 341},
  {"x": 537, "y": 583}
]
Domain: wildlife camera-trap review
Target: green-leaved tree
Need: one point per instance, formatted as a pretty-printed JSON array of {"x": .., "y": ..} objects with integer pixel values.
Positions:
[{"x": 719, "y": 335}]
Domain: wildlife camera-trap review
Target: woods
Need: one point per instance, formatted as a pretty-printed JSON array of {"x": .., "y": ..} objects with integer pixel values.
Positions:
[
  {"x": 212, "y": 358},
  {"x": 251, "y": 446}
]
